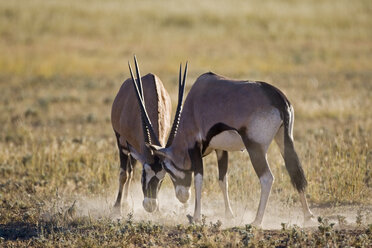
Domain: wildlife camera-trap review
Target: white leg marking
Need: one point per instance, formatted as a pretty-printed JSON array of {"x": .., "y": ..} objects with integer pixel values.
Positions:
[
  {"x": 266, "y": 181},
  {"x": 127, "y": 185},
  {"x": 225, "y": 188},
  {"x": 198, "y": 181},
  {"x": 305, "y": 208}
]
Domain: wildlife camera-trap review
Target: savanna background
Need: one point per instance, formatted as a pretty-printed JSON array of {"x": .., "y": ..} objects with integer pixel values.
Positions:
[{"x": 62, "y": 63}]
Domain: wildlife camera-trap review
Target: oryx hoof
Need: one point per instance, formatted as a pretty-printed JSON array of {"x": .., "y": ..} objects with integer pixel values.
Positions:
[
  {"x": 116, "y": 211},
  {"x": 190, "y": 219},
  {"x": 229, "y": 215},
  {"x": 310, "y": 220},
  {"x": 257, "y": 224},
  {"x": 193, "y": 219}
]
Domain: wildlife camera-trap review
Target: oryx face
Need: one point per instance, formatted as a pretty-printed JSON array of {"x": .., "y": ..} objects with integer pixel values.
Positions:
[
  {"x": 181, "y": 180},
  {"x": 152, "y": 177}
]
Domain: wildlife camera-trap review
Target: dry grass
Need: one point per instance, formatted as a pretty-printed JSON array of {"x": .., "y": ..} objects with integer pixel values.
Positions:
[{"x": 62, "y": 63}]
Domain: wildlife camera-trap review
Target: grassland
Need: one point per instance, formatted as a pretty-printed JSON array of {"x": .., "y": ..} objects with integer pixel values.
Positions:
[{"x": 62, "y": 62}]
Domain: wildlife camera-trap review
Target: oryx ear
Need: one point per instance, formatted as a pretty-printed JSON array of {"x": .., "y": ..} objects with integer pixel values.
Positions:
[
  {"x": 136, "y": 155},
  {"x": 159, "y": 151}
]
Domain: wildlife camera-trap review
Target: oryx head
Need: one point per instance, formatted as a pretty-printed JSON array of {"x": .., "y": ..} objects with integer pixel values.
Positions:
[
  {"x": 153, "y": 171},
  {"x": 181, "y": 178}
]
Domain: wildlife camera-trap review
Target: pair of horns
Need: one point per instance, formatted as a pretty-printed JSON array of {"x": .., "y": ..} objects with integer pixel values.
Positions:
[{"x": 148, "y": 130}]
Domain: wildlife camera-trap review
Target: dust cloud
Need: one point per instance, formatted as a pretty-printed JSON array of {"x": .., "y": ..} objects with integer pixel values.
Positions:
[{"x": 172, "y": 212}]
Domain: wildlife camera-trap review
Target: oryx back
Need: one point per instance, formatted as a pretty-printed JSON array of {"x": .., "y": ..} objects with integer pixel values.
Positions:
[{"x": 126, "y": 114}]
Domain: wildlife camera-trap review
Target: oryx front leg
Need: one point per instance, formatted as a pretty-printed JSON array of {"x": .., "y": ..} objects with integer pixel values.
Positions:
[
  {"x": 198, "y": 183},
  {"x": 131, "y": 164},
  {"x": 125, "y": 176},
  {"x": 222, "y": 158},
  {"x": 258, "y": 157}
]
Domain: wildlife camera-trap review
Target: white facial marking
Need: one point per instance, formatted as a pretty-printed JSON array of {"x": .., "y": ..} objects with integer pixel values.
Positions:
[
  {"x": 182, "y": 193},
  {"x": 161, "y": 174},
  {"x": 176, "y": 172},
  {"x": 150, "y": 204},
  {"x": 264, "y": 125},
  {"x": 149, "y": 173}
]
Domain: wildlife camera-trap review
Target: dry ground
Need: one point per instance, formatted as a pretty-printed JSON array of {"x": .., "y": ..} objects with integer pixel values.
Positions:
[{"x": 62, "y": 62}]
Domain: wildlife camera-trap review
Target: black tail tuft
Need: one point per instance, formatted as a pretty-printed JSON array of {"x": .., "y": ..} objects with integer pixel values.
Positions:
[{"x": 292, "y": 162}]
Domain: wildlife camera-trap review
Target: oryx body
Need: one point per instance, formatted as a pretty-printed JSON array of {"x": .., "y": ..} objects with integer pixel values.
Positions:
[
  {"x": 127, "y": 124},
  {"x": 228, "y": 115}
]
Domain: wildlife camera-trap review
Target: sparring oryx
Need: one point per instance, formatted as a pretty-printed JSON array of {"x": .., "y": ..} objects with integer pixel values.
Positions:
[
  {"x": 130, "y": 133},
  {"x": 229, "y": 115},
  {"x": 154, "y": 172}
]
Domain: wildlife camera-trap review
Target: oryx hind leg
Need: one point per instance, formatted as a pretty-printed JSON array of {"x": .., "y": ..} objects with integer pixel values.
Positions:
[
  {"x": 257, "y": 154},
  {"x": 279, "y": 140},
  {"x": 222, "y": 158}
]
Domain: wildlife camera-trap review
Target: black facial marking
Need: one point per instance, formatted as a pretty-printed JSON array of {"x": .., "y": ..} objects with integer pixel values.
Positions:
[
  {"x": 152, "y": 188},
  {"x": 154, "y": 184},
  {"x": 213, "y": 131}
]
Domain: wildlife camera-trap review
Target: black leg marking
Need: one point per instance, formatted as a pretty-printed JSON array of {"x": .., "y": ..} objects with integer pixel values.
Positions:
[
  {"x": 222, "y": 157},
  {"x": 197, "y": 165},
  {"x": 222, "y": 164},
  {"x": 123, "y": 176}
]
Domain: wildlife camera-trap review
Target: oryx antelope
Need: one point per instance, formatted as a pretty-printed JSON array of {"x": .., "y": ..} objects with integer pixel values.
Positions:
[
  {"x": 130, "y": 133},
  {"x": 229, "y": 115},
  {"x": 154, "y": 173}
]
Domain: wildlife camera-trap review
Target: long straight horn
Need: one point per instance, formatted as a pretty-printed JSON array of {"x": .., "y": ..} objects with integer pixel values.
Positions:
[
  {"x": 181, "y": 92},
  {"x": 139, "y": 80},
  {"x": 148, "y": 131}
]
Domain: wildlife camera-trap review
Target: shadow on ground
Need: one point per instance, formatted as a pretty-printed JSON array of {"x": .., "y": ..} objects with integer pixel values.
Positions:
[{"x": 18, "y": 230}]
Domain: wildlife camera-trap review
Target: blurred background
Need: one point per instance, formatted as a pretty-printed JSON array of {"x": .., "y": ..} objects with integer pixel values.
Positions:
[{"x": 62, "y": 63}]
